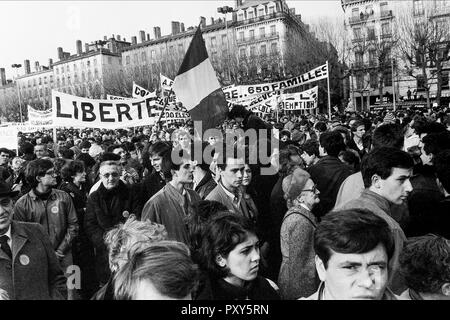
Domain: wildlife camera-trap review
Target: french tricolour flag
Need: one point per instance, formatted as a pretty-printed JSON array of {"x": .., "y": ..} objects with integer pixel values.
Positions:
[{"x": 197, "y": 87}]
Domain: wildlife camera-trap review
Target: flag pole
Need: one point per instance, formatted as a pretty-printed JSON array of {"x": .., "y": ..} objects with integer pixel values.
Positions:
[
  {"x": 164, "y": 108},
  {"x": 328, "y": 85}
]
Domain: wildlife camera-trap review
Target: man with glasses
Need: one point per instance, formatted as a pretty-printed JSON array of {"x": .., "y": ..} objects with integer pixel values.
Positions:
[
  {"x": 29, "y": 269},
  {"x": 53, "y": 209},
  {"x": 111, "y": 204}
]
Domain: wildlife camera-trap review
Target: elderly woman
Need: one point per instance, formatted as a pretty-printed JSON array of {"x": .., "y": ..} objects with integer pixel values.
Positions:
[
  {"x": 230, "y": 258},
  {"x": 120, "y": 241},
  {"x": 298, "y": 276}
]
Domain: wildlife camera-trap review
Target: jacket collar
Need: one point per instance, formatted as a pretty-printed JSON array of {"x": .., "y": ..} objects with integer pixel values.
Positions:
[
  {"x": 204, "y": 180},
  {"x": 34, "y": 196},
  {"x": 379, "y": 201},
  {"x": 19, "y": 238}
]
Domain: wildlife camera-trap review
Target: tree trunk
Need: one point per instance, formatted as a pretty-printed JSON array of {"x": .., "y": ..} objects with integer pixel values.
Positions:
[{"x": 439, "y": 82}]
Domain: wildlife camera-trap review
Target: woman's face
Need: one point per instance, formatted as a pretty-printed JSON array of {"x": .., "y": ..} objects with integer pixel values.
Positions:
[
  {"x": 79, "y": 177},
  {"x": 310, "y": 194},
  {"x": 247, "y": 177},
  {"x": 243, "y": 261}
]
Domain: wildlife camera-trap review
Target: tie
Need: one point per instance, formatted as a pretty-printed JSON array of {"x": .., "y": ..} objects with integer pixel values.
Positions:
[{"x": 5, "y": 246}]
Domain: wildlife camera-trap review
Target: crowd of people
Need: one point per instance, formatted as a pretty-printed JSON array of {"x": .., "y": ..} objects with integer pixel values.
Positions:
[{"x": 357, "y": 207}]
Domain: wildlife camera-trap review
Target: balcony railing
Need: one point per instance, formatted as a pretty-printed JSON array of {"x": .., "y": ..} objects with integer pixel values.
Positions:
[
  {"x": 261, "y": 18},
  {"x": 262, "y": 37}
]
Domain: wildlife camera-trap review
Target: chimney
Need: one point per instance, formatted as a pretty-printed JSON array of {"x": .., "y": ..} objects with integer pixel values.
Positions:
[
  {"x": 118, "y": 37},
  {"x": 203, "y": 22},
  {"x": 212, "y": 20},
  {"x": 133, "y": 40},
  {"x": 60, "y": 53},
  {"x": 175, "y": 27},
  {"x": 36, "y": 66},
  {"x": 105, "y": 38},
  {"x": 142, "y": 35},
  {"x": 50, "y": 62},
  {"x": 124, "y": 40},
  {"x": 26, "y": 66},
  {"x": 182, "y": 27},
  {"x": 157, "y": 32},
  {"x": 86, "y": 47},
  {"x": 2, "y": 76},
  {"x": 79, "y": 47}
]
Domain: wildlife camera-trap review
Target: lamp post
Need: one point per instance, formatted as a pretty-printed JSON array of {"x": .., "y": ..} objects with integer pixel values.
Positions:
[
  {"x": 225, "y": 10},
  {"x": 17, "y": 66}
]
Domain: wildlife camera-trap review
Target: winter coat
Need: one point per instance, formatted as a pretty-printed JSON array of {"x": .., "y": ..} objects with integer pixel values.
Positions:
[
  {"x": 298, "y": 276},
  {"x": 205, "y": 186}
]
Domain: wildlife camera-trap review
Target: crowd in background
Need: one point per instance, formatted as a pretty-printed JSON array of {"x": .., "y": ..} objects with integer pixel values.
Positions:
[{"x": 358, "y": 206}]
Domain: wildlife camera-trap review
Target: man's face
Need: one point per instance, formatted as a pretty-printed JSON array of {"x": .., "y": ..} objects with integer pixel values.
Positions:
[
  {"x": 39, "y": 151},
  {"x": 156, "y": 162},
  {"x": 110, "y": 175},
  {"x": 4, "y": 158},
  {"x": 355, "y": 276},
  {"x": 49, "y": 178},
  {"x": 6, "y": 213},
  {"x": 121, "y": 153},
  {"x": 184, "y": 141},
  {"x": 61, "y": 143},
  {"x": 360, "y": 131},
  {"x": 397, "y": 186},
  {"x": 146, "y": 291},
  {"x": 231, "y": 177},
  {"x": 85, "y": 150},
  {"x": 186, "y": 172}
]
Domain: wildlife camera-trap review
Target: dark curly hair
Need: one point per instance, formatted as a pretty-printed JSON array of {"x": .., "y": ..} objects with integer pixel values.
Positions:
[{"x": 425, "y": 263}]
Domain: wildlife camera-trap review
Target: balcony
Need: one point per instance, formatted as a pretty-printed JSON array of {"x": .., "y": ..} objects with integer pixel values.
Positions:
[
  {"x": 386, "y": 36},
  {"x": 386, "y": 14},
  {"x": 261, "y": 18},
  {"x": 359, "y": 19},
  {"x": 263, "y": 37}
]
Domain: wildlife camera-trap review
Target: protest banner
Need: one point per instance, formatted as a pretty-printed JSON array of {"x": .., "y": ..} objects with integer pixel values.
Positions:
[
  {"x": 139, "y": 92},
  {"x": 300, "y": 100},
  {"x": 8, "y": 137},
  {"x": 239, "y": 93},
  {"x": 39, "y": 117},
  {"x": 166, "y": 83},
  {"x": 70, "y": 111},
  {"x": 112, "y": 97}
]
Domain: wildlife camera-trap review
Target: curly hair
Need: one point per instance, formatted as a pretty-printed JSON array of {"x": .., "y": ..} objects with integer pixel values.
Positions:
[{"x": 425, "y": 263}]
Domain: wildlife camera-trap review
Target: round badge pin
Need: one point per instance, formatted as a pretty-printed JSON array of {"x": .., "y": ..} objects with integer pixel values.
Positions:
[
  {"x": 55, "y": 210},
  {"x": 125, "y": 214},
  {"x": 24, "y": 259}
]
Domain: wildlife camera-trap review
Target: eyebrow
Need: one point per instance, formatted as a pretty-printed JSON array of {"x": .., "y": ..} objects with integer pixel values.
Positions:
[{"x": 403, "y": 177}]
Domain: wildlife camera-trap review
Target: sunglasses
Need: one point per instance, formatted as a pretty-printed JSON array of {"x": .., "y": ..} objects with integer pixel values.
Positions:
[{"x": 313, "y": 189}]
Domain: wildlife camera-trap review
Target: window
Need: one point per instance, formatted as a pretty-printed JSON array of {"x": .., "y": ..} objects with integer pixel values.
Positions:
[
  {"x": 261, "y": 12},
  {"x": 373, "y": 80},
  {"x": 127, "y": 59},
  {"x": 40, "y": 81},
  {"x": 88, "y": 63},
  {"x": 386, "y": 29},
  {"x": 224, "y": 39},
  {"x": 274, "y": 48},
  {"x": 355, "y": 12},
  {"x": 83, "y": 77},
  {"x": 360, "y": 81},
  {"x": 89, "y": 75},
  {"x": 262, "y": 32},
  {"x": 387, "y": 78},
  {"x": 96, "y": 74},
  {"x": 273, "y": 30},
  {"x": 359, "y": 58},
  {"x": 213, "y": 42},
  {"x": 252, "y": 34},
  {"x": 57, "y": 82},
  {"x": 371, "y": 33},
  {"x": 250, "y": 15},
  {"x": 263, "y": 50},
  {"x": 418, "y": 7},
  {"x": 240, "y": 16},
  {"x": 357, "y": 33},
  {"x": 68, "y": 81},
  {"x": 144, "y": 57},
  {"x": 271, "y": 10},
  {"x": 242, "y": 53},
  {"x": 109, "y": 60},
  {"x": 383, "y": 7},
  {"x": 68, "y": 68},
  {"x": 34, "y": 82},
  {"x": 372, "y": 57},
  {"x": 445, "y": 81},
  {"x": 57, "y": 70},
  {"x": 241, "y": 35},
  {"x": 95, "y": 62},
  {"x": 62, "y": 70},
  {"x": 75, "y": 78},
  {"x": 153, "y": 54},
  {"x": 63, "y": 81},
  {"x": 252, "y": 51},
  {"x": 51, "y": 78},
  {"x": 135, "y": 58},
  {"x": 74, "y": 67}
]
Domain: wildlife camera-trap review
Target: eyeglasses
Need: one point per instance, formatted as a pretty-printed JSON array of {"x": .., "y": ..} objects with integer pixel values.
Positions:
[
  {"x": 112, "y": 174},
  {"x": 313, "y": 189}
]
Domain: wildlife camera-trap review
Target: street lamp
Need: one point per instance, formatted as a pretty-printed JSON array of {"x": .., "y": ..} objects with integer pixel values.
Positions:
[
  {"x": 225, "y": 10},
  {"x": 17, "y": 66}
]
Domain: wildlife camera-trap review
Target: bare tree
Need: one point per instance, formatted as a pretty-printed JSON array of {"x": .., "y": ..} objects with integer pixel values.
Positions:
[{"x": 424, "y": 44}]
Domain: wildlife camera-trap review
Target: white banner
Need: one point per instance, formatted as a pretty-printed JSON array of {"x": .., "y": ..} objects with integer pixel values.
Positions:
[
  {"x": 139, "y": 92},
  {"x": 166, "y": 83},
  {"x": 112, "y": 97},
  {"x": 71, "y": 111},
  {"x": 240, "y": 93},
  {"x": 39, "y": 117},
  {"x": 8, "y": 137},
  {"x": 300, "y": 100}
]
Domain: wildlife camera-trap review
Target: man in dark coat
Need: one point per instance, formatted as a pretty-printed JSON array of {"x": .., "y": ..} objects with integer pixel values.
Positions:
[
  {"x": 329, "y": 172},
  {"x": 29, "y": 268},
  {"x": 111, "y": 204}
]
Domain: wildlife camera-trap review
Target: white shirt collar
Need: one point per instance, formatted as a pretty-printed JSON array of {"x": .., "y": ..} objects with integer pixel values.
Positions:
[
  {"x": 228, "y": 193},
  {"x": 8, "y": 234}
]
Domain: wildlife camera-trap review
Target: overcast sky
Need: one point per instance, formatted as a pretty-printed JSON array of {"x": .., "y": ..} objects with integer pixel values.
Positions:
[{"x": 34, "y": 29}]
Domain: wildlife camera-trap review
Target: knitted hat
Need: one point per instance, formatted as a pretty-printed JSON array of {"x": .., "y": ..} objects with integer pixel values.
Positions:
[
  {"x": 294, "y": 183},
  {"x": 389, "y": 118}
]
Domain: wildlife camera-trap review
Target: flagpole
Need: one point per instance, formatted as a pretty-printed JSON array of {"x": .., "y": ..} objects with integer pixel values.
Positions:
[
  {"x": 164, "y": 108},
  {"x": 328, "y": 85}
]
